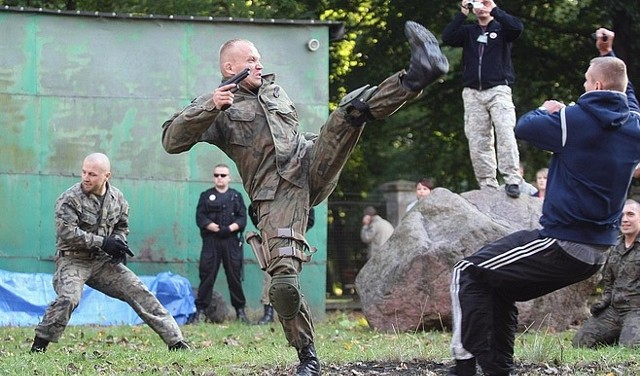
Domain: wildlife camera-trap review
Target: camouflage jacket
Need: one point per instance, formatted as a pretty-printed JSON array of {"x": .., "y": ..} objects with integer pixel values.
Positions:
[
  {"x": 83, "y": 221},
  {"x": 259, "y": 132},
  {"x": 621, "y": 276}
]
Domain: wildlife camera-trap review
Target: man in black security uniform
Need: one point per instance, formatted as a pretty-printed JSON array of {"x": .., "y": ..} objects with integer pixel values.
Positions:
[{"x": 221, "y": 216}]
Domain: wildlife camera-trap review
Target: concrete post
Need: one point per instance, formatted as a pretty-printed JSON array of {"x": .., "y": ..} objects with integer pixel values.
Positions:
[{"x": 398, "y": 194}]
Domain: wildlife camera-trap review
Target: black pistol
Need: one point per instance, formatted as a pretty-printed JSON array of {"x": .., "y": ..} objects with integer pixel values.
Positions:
[{"x": 235, "y": 80}]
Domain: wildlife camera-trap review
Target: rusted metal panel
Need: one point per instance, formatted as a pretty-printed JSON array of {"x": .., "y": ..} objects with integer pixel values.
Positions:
[{"x": 72, "y": 85}]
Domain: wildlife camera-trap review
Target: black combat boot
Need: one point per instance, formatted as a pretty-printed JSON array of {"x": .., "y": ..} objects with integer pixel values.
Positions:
[
  {"x": 180, "y": 345},
  {"x": 464, "y": 367},
  {"x": 242, "y": 316},
  {"x": 268, "y": 315},
  {"x": 427, "y": 61},
  {"x": 197, "y": 318},
  {"x": 512, "y": 190},
  {"x": 309, "y": 364},
  {"x": 39, "y": 345}
]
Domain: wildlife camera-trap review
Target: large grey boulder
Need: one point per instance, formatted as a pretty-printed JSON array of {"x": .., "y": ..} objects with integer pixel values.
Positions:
[{"x": 406, "y": 285}]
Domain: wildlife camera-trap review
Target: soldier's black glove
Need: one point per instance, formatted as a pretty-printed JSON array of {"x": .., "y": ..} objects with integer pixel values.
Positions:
[
  {"x": 113, "y": 246},
  {"x": 118, "y": 259},
  {"x": 598, "y": 308},
  {"x": 117, "y": 248},
  {"x": 122, "y": 257}
]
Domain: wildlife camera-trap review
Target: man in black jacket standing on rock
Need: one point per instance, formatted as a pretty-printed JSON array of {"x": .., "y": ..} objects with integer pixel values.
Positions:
[{"x": 487, "y": 78}]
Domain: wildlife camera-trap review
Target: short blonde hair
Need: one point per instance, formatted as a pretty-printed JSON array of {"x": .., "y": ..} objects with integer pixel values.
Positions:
[
  {"x": 611, "y": 71},
  {"x": 634, "y": 203},
  {"x": 543, "y": 171},
  {"x": 224, "y": 53}
]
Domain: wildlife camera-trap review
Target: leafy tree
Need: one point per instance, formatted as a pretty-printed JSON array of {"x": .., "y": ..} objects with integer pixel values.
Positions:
[{"x": 427, "y": 138}]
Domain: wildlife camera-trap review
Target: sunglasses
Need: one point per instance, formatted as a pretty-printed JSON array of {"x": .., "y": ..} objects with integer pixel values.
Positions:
[{"x": 219, "y": 175}]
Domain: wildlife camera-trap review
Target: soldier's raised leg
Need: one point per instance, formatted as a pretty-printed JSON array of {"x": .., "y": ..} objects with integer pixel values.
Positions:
[{"x": 342, "y": 130}]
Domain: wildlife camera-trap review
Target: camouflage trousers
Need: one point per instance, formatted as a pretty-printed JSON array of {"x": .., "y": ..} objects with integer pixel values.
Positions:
[
  {"x": 291, "y": 204},
  {"x": 610, "y": 327},
  {"x": 338, "y": 138},
  {"x": 487, "y": 113},
  {"x": 116, "y": 281},
  {"x": 264, "y": 296},
  {"x": 289, "y": 209}
]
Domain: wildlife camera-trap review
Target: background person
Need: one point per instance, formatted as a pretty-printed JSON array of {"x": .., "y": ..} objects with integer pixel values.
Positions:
[
  {"x": 424, "y": 187},
  {"x": 487, "y": 78},
  {"x": 616, "y": 317},
  {"x": 375, "y": 231},
  {"x": 92, "y": 223},
  {"x": 526, "y": 188},
  {"x": 541, "y": 182},
  {"x": 580, "y": 217},
  {"x": 221, "y": 217},
  {"x": 285, "y": 173}
]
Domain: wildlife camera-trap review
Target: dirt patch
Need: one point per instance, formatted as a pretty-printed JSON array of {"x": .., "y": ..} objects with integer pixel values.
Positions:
[
  {"x": 420, "y": 368},
  {"x": 386, "y": 368}
]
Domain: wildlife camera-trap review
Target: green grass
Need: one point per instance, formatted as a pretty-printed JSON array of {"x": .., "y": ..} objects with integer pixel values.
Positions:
[{"x": 235, "y": 349}]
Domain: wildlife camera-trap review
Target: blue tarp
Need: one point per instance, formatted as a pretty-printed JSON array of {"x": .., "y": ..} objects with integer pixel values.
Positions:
[{"x": 24, "y": 297}]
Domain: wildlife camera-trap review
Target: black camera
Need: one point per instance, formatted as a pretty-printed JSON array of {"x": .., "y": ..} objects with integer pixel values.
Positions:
[{"x": 474, "y": 5}]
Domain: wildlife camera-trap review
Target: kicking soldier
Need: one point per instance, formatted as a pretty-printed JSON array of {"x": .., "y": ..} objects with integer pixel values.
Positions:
[{"x": 284, "y": 172}]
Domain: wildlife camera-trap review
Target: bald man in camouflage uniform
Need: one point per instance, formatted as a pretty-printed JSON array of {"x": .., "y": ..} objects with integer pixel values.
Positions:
[
  {"x": 92, "y": 223},
  {"x": 616, "y": 317},
  {"x": 285, "y": 172}
]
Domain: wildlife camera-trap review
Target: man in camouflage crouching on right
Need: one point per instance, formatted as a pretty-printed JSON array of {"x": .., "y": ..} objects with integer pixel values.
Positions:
[
  {"x": 285, "y": 173},
  {"x": 616, "y": 317}
]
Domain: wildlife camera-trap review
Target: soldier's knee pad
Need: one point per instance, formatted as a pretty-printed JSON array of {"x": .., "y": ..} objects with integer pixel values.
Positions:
[
  {"x": 284, "y": 295},
  {"x": 356, "y": 106}
]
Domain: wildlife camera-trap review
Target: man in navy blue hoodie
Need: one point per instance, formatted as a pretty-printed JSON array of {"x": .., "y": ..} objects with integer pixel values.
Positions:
[
  {"x": 596, "y": 147},
  {"x": 487, "y": 75}
]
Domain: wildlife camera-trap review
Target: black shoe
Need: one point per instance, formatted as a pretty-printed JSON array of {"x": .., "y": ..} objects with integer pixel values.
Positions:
[
  {"x": 466, "y": 367},
  {"x": 242, "y": 316},
  {"x": 39, "y": 345},
  {"x": 180, "y": 345},
  {"x": 309, "y": 364},
  {"x": 268, "y": 315},
  {"x": 427, "y": 61},
  {"x": 196, "y": 318},
  {"x": 512, "y": 190}
]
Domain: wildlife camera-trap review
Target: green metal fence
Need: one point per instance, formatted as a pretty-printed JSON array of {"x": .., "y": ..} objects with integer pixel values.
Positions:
[{"x": 75, "y": 84}]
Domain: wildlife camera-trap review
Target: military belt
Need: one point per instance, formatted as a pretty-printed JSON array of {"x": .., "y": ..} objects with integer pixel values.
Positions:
[{"x": 83, "y": 255}]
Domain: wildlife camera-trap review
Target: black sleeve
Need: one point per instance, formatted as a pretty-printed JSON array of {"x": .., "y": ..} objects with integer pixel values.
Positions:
[
  {"x": 453, "y": 34},
  {"x": 511, "y": 25},
  {"x": 201, "y": 216},
  {"x": 240, "y": 212}
]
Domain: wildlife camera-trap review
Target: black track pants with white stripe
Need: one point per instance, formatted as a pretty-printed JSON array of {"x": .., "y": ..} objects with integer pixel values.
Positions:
[{"x": 486, "y": 285}]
